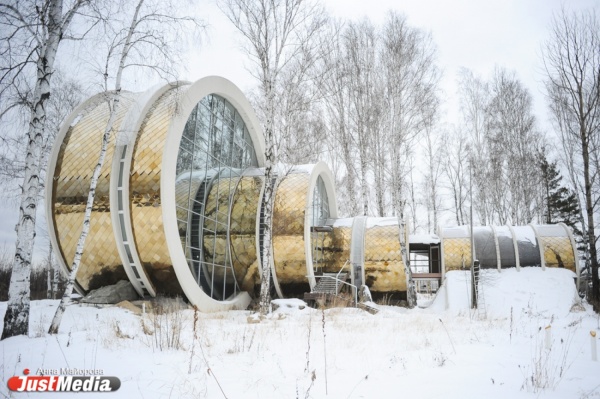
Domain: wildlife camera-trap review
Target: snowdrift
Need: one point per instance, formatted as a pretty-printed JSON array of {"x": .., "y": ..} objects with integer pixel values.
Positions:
[{"x": 550, "y": 292}]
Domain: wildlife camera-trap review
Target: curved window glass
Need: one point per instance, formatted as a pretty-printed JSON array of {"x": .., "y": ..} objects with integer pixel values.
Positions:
[{"x": 214, "y": 150}]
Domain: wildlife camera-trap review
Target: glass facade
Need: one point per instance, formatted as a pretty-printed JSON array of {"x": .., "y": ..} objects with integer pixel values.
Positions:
[
  {"x": 206, "y": 152},
  {"x": 215, "y": 149}
]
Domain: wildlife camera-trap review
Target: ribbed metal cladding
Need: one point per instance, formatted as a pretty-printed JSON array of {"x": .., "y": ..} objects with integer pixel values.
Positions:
[
  {"x": 384, "y": 270},
  {"x": 77, "y": 157},
  {"x": 144, "y": 186},
  {"x": 339, "y": 247},
  {"x": 456, "y": 244},
  {"x": 288, "y": 233},
  {"x": 242, "y": 232},
  {"x": 554, "y": 241},
  {"x": 557, "y": 247}
]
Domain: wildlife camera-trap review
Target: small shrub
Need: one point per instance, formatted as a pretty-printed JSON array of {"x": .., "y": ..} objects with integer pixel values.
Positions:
[{"x": 164, "y": 324}]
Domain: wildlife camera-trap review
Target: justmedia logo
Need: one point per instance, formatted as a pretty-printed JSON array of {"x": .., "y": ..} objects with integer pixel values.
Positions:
[{"x": 62, "y": 383}]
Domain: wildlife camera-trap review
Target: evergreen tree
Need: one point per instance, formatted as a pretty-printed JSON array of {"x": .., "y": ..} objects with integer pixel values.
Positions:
[{"x": 560, "y": 203}]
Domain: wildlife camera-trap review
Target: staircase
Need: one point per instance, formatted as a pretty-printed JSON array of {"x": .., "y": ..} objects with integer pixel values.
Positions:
[
  {"x": 328, "y": 286},
  {"x": 330, "y": 283}
]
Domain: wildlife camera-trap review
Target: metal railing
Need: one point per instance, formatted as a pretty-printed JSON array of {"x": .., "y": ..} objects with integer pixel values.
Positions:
[{"x": 338, "y": 280}]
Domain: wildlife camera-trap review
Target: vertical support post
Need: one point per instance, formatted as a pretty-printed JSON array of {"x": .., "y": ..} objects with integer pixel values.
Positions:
[
  {"x": 442, "y": 262},
  {"x": 593, "y": 343},
  {"x": 471, "y": 215},
  {"x": 473, "y": 282},
  {"x": 515, "y": 246},
  {"x": 575, "y": 252},
  {"x": 357, "y": 251},
  {"x": 497, "y": 244},
  {"x": 540, "y": 245}
]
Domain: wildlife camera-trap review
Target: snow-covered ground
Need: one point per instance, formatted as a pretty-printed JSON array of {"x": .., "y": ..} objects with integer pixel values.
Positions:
[{"x": 444, "y": 351}]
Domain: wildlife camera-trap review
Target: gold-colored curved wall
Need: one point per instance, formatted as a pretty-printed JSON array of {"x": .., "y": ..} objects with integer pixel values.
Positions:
[
  {"x": 288, "y": 231},
  {"x": 384, "y": 270},
  {"x": 340, "y": 249},
  {"x": 330, "y": 250},
  {"x": 558, "y": 252},
  {"x": 557, "y": 248},
  {"x": 457, "y": 253},
  {"x": 144, "y": 192},
  {"x": 100, "y": 264},
  {"x": 243, "y": 232}
]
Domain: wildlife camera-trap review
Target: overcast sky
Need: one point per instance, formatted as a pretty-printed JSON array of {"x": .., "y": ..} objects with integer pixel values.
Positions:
[{"x": 476, "y": 34}]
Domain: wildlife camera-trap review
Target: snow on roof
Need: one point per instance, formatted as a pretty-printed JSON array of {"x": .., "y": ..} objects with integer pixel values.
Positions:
[
  {"x": 553, "y": 230},
  {"x": 303, "y": 168},
  {"x": 423, "y": 239},
  {"x": 342, "y": 222},
  {"x": 503, "y": 231},
  {"x": 525, "y": 234},
  {"x": 378, "y": 221},
  {"x": 456, "y": 232}
]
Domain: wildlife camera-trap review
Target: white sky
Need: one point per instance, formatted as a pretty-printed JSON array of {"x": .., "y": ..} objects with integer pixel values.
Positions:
[
  {"x": 468, "y": 33},
  {"x": 474, "y": 34}
]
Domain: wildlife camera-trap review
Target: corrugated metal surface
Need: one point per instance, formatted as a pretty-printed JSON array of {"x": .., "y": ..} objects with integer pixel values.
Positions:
[
  {"x": 384, "y": 270},
  {"x": 144, "y": 186},
  {"x": 288, "y": 229},
  {"x": 100, "y": 264}
]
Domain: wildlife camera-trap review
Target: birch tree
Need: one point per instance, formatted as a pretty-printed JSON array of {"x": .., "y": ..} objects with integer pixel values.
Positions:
[
  {"x": 135, "y": 45},
  {"x": 276, "y": 33},
  {"x": 474, "y": 99},
  {"x": 434, "y": 161},
  {"x": 456, "y": 170},
  {"x": 514, "y": 141},
  {"x": 411, "y": 103},
  {"x": 299, "y": 130},
  {"x": 498, "y": 117},
  {"x": 334, "y": 91},
  {"x": 32, "y": 32},
  {"x": 360, "y": 42},
  {"x": 571, "y": 59},
  {"x": 66, "y": 95}
]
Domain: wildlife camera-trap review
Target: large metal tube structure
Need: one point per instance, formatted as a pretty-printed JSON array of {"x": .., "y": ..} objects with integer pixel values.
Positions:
[
  {"x": 177, "y": 208},
  {"x": 510, "y": 246}
]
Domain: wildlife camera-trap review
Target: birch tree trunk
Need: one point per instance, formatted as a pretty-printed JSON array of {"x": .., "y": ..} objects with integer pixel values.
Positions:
[
  {"x": 50, "y": 272},
  {"x": 571, "y": 59},
  {"x": 16, "y": 318},
  {"x": 113, "y": 103},
  {"x": 277, "y": 32},
  {"x": 268, "y": 201},
  {"x": 86, "y": 219},
  {"x": 411, "y": 292}
]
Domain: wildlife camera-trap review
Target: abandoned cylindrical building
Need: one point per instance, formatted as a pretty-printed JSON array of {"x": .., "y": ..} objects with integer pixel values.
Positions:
[
  {"x": 499, "y": 247},
  {"x": 178, "y": 209}
]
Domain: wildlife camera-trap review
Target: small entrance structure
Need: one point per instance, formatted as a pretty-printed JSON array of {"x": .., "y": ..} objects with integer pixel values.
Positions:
[{"x": 425, "y": 262}]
